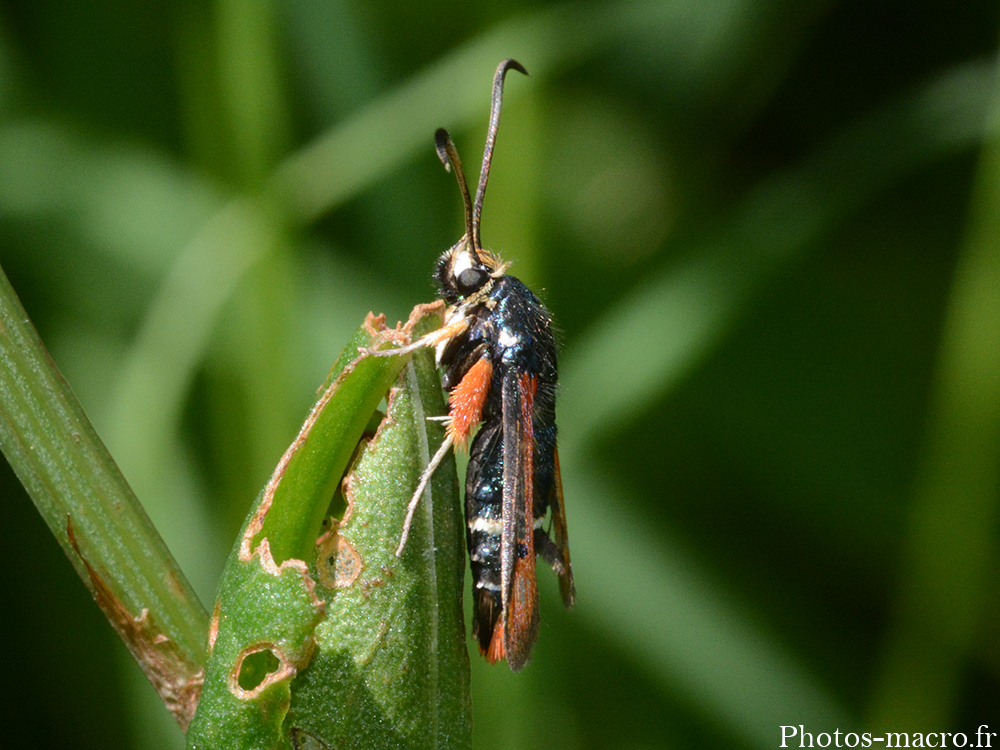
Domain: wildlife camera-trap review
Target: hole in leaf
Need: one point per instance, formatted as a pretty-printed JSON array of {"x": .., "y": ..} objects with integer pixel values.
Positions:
[
  {"x": 256, "y": 667},
  {"x": 337, "y": 562}
]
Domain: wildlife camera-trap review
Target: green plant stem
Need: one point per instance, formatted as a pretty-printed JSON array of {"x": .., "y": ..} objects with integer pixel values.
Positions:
[{"x": 72, "y": 479}]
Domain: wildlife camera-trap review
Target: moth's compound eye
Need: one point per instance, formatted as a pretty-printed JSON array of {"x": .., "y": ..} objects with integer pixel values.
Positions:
[{"x": 471, "y": 280}]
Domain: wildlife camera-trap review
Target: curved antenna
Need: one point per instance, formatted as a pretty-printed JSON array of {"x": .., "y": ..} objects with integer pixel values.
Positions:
[
  {"x": 448, "y": 155},
  {"x": 491, "y": 139}
]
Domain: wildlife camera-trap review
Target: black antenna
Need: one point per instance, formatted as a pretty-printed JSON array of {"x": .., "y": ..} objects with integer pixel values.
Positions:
[
  {"x": 448, "y": 155},
  {"x": 491, "y": 139}
]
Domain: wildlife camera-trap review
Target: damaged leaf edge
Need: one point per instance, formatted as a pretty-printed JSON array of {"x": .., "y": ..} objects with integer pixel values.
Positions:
[
  {"x": 381, "y": 337},
  {"x": 290, "y": 663},
  {"x": 175, "y": 678}
]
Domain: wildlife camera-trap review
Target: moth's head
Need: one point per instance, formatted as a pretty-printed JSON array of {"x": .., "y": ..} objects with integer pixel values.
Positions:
[
  {"x": 463, "y": 271},
  {"x": 466, "y": 269}
]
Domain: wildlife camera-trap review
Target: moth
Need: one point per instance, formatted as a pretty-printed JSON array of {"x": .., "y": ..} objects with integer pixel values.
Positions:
[{"x": 497, "y": 351}]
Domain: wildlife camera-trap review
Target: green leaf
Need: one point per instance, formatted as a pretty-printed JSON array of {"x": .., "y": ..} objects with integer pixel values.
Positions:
[
  {"x": 358, "y": 643},
  {"x": 392, "y": 668},
  {"x": 303, "y": 486}
]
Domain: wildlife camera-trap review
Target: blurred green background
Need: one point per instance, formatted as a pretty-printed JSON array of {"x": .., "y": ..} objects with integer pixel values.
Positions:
[{"x": 766, "y": 229}]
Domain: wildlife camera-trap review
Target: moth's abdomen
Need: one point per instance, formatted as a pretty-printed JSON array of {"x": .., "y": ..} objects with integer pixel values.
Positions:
[{"x": 484, "y": 517}]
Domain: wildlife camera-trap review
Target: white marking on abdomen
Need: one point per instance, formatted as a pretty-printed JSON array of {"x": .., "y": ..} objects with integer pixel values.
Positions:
[{"x": 487, "y": 525}]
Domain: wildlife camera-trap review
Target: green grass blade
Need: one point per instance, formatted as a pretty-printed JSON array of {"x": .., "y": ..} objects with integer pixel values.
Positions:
[
  {"x": 352, "y": 155},
  {"x": 92, "y": 512},
  {"x": 341, "y": 163},
  {"x": 690, "y": 633},
  {"x": 949, "y": 558}
]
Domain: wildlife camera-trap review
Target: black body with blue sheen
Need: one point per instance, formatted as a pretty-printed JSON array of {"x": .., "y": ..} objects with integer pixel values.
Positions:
[
  {"x": 498, "y": 354},
  {"x": 513, "y": 329}
]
